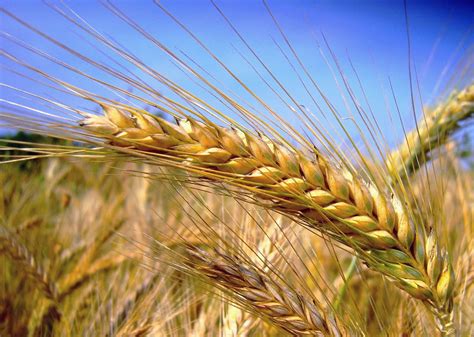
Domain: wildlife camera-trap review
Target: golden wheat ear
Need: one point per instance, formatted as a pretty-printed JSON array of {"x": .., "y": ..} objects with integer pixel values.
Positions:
[
  {"x": 260, "y": 294},
  {"x": 314, "y": 191},
  {"x": 430, "y": 133}
]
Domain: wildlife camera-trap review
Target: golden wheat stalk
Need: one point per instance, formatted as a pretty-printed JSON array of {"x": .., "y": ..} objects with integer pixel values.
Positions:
[
  {"x": 264, "y": 296},
  {"x": 431, "y": 132},
  {"x": 324, "y": 196}
]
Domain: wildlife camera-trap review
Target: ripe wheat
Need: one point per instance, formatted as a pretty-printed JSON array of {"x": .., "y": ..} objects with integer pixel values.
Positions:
[
  {"x": 382, "y": 228},
  {"x": 432, "y": 131},
  {"x": 326, "y": 197},
  {"x": 262, "y": 295}
]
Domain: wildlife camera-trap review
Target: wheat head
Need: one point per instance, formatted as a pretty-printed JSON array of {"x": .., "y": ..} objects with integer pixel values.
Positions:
[
  {"x": 324, "y": 196},
  {"x": 261, "y": 294},
  {"x": 430, "y": 133}
]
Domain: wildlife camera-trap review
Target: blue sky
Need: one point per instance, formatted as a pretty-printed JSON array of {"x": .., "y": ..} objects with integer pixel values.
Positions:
[{"x": 372, "y": 34}]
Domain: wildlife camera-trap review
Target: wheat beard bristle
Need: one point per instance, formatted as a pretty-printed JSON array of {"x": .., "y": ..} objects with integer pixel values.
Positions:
[
  {"x": 322, "y": 195},
  {"x": 262, "y": 295}
]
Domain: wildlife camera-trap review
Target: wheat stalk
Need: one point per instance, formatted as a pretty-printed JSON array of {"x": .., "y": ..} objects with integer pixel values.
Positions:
[
  {"x": 262, "y": 295},
  {"x": 326, "y": 197},
  {"x": 430, "y": 133}
]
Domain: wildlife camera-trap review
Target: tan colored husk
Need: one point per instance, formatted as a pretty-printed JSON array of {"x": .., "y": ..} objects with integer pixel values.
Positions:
[
  {"x": 324, "y": 196},
  {"x": 262, "y": 295}
]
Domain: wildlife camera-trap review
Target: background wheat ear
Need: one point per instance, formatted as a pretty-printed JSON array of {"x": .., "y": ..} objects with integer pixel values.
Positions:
[
  {"x": 431, "y": 132},
  {"x": 27, "y": 263},
  {"x": 262, "y": 295}
]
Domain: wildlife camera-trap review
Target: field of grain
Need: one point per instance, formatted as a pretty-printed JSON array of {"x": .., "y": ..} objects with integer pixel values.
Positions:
[{"x": 135, "y": 203}]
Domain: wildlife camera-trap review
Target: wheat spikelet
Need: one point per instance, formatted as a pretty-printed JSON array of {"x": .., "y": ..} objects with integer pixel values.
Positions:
[
  {"x": 262, "y": 295},
  {"x": 100, "y": 266},
  {"x": 431, "y": 132},
  {"x": 132, "y": 301},
  {"x": 316, "y": 191}
]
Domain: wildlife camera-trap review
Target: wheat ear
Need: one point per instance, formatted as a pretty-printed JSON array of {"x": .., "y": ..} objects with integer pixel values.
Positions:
[
  {"x": 431, "y": 132},
  {"x": 262, "y": 295},
  {"x": 315, "y": 191},
  {"x": 22, "y": 256}
]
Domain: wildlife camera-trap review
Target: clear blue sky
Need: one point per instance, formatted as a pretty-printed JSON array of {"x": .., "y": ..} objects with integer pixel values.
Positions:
[{"x": 371, "y": 33}]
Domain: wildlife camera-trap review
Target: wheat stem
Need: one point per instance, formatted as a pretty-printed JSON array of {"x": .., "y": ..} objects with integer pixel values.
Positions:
[{"x": 347, "y": 278}]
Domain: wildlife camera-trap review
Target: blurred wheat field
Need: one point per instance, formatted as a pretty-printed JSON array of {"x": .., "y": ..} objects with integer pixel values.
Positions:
[{"x": 147, "y": 202}]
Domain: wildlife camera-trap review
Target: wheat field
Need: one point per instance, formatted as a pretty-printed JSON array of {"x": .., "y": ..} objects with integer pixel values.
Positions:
[{"x": 172, "y": 188}]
